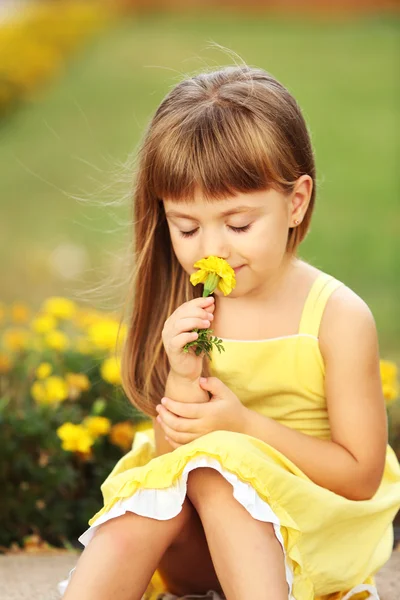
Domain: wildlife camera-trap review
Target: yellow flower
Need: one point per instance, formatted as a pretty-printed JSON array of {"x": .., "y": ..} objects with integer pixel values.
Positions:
[
  {"x": 2, "y": 312},
  {"x": 43, "y": 323},
  {"x": 50, "y": 391},
  {"x": 83, "y": 346},
  {"x": 57, "y": 340},
  {"x": 75, "y": 438},
  {"x": 61, "y": 308},
  {"x": 20, "y": 312},
  {"x": 389, "y": 377},
  {"x": 104, "y": 334},
  {"x": 5, "y": 363},
  {"x": 111, "y": 370},
  {"x": 78, "y": 380},
  {"x": 97, "y": 425},
  {"x": 122, "y": 434},
  {"x": 44, "y": 370},
  {"x": 214, "y": 272},
  {"x": 16, "y": 339}
]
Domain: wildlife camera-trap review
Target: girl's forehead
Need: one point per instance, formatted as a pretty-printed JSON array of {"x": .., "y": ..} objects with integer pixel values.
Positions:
[{"x": 238, "y": 203}]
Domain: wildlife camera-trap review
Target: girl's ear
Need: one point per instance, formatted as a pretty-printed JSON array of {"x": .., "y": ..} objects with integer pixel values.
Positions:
[{"x": 300, "y": 199}]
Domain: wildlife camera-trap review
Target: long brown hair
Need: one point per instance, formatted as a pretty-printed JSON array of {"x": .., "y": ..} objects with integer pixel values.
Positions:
[{"x": 231, "y": 130}]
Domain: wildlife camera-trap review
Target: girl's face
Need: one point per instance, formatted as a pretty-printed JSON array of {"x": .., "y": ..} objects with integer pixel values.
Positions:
[{"x": 249, "y": 231}]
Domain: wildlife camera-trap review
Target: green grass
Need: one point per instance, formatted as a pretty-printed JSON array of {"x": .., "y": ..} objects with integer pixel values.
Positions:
[{"x": 69, "y": 140}]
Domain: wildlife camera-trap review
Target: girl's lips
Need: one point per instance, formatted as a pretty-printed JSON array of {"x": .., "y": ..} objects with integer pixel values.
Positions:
[{"x": 236, "y": 269}]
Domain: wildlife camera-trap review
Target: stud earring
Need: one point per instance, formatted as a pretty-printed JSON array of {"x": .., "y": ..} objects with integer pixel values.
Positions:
[{"x": 296, "y": 222}]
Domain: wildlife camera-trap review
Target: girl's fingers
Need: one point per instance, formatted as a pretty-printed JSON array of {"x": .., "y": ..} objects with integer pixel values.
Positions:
[
  {"x": 190, "y": 323},
  {"x": 179, "y": 341}
]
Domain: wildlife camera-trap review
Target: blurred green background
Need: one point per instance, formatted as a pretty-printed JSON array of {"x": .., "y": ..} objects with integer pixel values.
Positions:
[{"x": 62, "y": 154}]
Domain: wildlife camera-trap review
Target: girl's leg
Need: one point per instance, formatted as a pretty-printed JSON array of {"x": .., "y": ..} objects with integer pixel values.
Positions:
[
  {"x": 247, "y": 555},
  {"x": 122, "y": 556},
  {"x": 186, "y": 566}
]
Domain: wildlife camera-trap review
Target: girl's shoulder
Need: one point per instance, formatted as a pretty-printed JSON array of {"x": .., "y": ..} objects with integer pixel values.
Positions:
[{"x": 347, "y": 322}]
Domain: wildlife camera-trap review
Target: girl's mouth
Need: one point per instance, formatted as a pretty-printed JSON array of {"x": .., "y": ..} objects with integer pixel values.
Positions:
[{"x": 237, "y": 269}]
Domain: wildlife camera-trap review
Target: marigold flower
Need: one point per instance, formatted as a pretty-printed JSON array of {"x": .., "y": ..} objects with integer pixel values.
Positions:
[
  {"x": 5, "y": 363},
  {"x": 20, "y": 312},
  {"x": 17, "y": 339},
  {"x": 44, "y": 370},
  {"x": 61, "y": 308},
  {"x": 97, "y": 425},
  {"x": 214, "y": 272},
  {"x": 389, "y": 377},
  {"x": 57, "y": 340},
  {"x": 50, "y": 391},
  {"x": 105, "y": 335},
  {"x": 43, "y": 323},
  {"x": 111, "y": 370},
  {"x": 75, "y": 438},
  {"x": 122, "y": 434}
]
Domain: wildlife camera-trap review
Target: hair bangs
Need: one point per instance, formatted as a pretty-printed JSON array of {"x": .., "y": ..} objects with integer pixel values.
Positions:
[{"x": 219, "y": 152}]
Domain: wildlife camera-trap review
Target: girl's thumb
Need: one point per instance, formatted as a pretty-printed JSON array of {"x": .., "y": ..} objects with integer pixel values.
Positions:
[{"x": 211, "y": 384}]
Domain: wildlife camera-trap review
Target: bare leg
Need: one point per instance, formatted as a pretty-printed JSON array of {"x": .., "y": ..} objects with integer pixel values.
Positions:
[
  {"x": 120, "y": 560},
  {"x": 247, "y": 556}
]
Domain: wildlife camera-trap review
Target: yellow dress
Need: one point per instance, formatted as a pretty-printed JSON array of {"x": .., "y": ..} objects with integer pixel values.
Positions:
[{"x": 333, "y": 546}]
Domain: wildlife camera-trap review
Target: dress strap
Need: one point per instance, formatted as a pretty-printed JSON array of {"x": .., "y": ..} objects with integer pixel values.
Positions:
[{"x": 315, "y": 303}]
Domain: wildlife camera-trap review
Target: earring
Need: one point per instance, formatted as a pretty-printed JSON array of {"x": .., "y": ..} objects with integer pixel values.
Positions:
[{"x": 296, "y": 222}]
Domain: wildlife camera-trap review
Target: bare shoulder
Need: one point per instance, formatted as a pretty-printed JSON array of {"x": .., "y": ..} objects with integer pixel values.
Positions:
[{"x": 347, "y": 319}]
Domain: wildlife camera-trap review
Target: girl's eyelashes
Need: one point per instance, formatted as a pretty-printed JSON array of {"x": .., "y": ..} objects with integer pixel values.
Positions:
[{"x": 235, "y": 229}]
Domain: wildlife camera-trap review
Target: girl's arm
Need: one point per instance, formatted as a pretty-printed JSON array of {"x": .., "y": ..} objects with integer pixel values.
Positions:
[
  {"x": 352, "y": 463},
  {"x": 181, "y": 390}
]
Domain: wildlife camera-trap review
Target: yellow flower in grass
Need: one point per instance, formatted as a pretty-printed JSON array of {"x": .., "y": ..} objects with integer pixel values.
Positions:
[
  {"x": 57, "y": 340},
  {"x": 106, "y": 334},
  {"x": 390, "y": 383},
  {"x": 122, "y": 434},
  {"x": 77, "y": 383},
  {"x": 75, "y": 438},
  {"x": 44, "y": 370},
  {"x": 50, "y": 391},
  {"x": 97, "y": 426},
  {"x": 215, "y": 273},
  {"x": 20, "y": 312},
  {"x": 61, "y": 308},
  {"x": 111, "y": 370},
  {"x": 17, "y": 339},
  {"x": 43, "y": 323},
  {"x": 5, "y": 363}
]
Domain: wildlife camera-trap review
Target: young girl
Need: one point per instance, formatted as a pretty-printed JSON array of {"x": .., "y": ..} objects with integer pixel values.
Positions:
[{"x": 271, "y": 479}]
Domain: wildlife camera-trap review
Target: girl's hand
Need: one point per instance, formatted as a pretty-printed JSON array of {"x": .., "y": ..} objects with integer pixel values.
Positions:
[
  {"x": 177, "y": 332},
  {"x": 184, "y": 422}
]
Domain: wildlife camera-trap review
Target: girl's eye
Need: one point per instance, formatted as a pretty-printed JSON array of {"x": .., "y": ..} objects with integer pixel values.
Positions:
[{"x": 236, "y": 229}]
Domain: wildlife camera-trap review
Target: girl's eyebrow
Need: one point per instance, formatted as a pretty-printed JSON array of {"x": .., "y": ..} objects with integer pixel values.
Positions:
[{"x": 225, "y": 213}]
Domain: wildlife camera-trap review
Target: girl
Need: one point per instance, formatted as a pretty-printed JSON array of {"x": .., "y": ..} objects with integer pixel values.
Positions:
[{"x": 271, "y": 478}]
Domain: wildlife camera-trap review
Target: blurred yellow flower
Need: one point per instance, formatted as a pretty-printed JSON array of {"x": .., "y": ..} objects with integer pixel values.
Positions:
[
  {"x": 122, "y": 434},
  {"x": 111, "y": 370},
  {"x": 20, "y": 313},
  {"x": 104, "y": 334},
  {"x": 97, "y": 425},
  {"x": 75, "y": 438},
  {"x": 50, "y": 391},
  {"x": 78, "y": 380},
  {"x": 2, "y": 312},
  {"x": 16, "y": 339},
  {"x": 44, "y": 370},
  {"x": 57, "y": 340},
  {"x": 83, "y": 346},
  {"x": 85, "y": 318},
  {"x": 61, "y": 308},
  {"x": 390, "y": 383},
  {"x": 5, "y": 363},
  {"x": 214, "y": 272},
  {"x": 43, "y": 323},
  {"x": 77, "y": 383}
]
